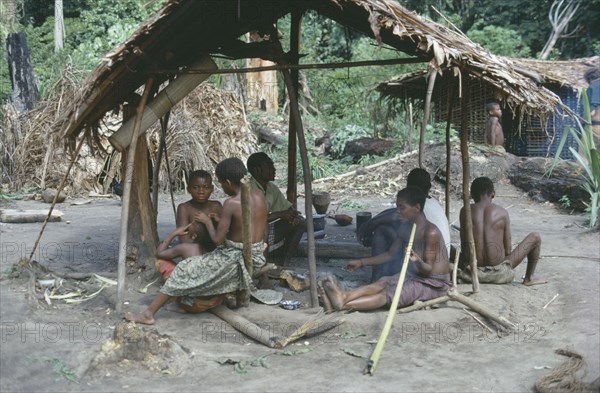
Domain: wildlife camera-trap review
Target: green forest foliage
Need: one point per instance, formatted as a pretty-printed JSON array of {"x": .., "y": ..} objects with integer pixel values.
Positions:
[{"x": 348, "y": 107}]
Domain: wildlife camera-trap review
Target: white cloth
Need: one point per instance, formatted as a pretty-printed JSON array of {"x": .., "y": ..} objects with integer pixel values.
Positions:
[{"x": 434, "y": 212}]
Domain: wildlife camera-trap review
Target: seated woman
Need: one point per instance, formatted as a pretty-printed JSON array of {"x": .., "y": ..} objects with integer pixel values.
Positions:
[
  {"x": 427, "y": 274},
  {"x": 221, "y": 271}
]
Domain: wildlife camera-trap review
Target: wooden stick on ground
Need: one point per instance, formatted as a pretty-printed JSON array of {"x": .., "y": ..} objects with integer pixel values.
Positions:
[
  {"x": 319, "y": 323},
  {"x": 478, "y": 320},
  {"x": 428, "y": 303},
  {"x": 454, "y": 295},
  {"x": 243, "y": 325},
  {"x": 374, "y": 359},
  {"x": 60, "y": 187},
  {"x": 551, "y": 300}
]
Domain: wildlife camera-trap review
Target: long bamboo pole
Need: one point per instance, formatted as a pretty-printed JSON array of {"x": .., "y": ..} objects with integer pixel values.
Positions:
[
  {"x": 243, "y": 296},
  {"x": 310, "y": 231},
  {"x": 374, "y": 359},
  {"x": 464, "y": 152},
  {"x": 426, "y": 111},
  {"x": 58, "y": 191},
  {"x": 121, "y": 264}
]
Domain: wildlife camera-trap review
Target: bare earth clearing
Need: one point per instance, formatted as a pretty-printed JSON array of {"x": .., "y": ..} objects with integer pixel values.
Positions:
[{"x": 443, "y": 349}]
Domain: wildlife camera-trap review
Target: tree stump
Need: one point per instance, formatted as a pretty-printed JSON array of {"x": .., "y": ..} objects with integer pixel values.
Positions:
[{"x": 24, "y": 88}]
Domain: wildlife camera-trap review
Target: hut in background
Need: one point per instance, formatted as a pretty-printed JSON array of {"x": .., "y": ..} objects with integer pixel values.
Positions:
[{"x": 527, "y": 132}]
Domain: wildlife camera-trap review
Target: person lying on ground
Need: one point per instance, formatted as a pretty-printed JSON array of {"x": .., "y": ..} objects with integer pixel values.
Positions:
[
  {"x": 492, "y": 237},
  {"x": 382, "y": 230},
  {"x": 291, "y": 225},
  {"x": 221, "y": 271},
  {"x": 200, "y": 187},
  {"x": 427, "y": 275}
]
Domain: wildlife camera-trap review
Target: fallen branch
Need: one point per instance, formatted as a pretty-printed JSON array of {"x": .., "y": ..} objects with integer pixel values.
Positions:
[
  {"x": 352, "y": 173},
  {"x": 428, "y": 303},
  {"x": 478, "y": 321},
  {"x": 243, "y": 325},
  {"x": 317, "y": 324},
  {"x": 454, "y": 295}
]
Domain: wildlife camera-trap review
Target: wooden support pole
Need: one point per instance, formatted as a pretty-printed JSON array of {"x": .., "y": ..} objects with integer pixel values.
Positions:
[
  {"x": 374, "y": 359},
  {"x": 310, "y": 231},
  {"x": 464, "y": 151},
  {"x": 292, "y": 186},
  {"x": 58, "y": 191},
  {"x": 243, "y": 296},
  {"x": 164, "y": 123},
  {"x": 122, "y": 263},
  {"x": 426, "y": 111},
  {"x": 450, "y": 107}
]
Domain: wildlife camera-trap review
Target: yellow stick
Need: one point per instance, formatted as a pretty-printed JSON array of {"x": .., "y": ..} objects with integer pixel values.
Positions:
[{"x": 374, "y": 359}]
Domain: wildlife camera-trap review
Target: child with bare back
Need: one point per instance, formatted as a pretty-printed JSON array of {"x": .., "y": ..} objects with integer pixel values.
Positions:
[
  {"x": 491, "y": 233},
  {"x": 200, "y": 187},
  {"x": 427, "y": 274},
  {"x": 493, "y": 129},
  {"x": 221, "y": 271}
]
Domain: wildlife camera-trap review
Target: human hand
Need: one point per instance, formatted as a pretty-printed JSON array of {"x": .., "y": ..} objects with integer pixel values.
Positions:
[
  {"x": 214, "y": 217},
  {"x": 201, "y": 217},
  {"x": 414, "y": 257},
  {"x": 290, "y": 216},
  {"x": 353, "y": 265}
]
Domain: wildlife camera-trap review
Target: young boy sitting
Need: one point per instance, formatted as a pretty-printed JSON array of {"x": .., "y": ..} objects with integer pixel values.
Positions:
[
  {"x": 221, "y": 271},
  {"x": 491, "y": 233},
  {"x": 166, "y": 256},
  {"x": 200, "y": 187},
  {"x": 493, "y": 129},
  {"x": 427, "y": 274}
]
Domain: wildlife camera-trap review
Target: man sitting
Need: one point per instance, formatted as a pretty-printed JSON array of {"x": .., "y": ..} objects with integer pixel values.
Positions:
[{"x": 291, "y": 225}]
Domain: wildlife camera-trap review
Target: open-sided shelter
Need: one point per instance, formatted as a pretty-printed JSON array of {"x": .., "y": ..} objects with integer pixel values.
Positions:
[
  {"x": 179, "y": 39},
  {"x": 528, "y": 132}
]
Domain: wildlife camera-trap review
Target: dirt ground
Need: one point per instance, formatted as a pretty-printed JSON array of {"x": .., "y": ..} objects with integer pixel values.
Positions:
[{"x": 67, "y": 347}]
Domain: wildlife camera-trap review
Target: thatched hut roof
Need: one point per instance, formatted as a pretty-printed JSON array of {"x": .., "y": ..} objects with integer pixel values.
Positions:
[
  {"x": 542, "y": 72},
  {"x": 183, "y": 30}
]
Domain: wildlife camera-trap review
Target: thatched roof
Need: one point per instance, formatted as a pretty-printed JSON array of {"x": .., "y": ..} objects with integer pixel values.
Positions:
[
  {"x": 541, "y": 72},
  {"x": 183, "y": 30},
  {"x": 563, "y": 73}
]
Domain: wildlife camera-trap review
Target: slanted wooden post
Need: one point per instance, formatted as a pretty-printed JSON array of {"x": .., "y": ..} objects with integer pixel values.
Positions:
[
  {"x": 310, "y": 231},
  {"x": 450, "y": 108},
  {"x": 243, "y": 296},
  {"x": 122, "y": 263},
  {"x": 426, "y": 111},
  {"x": 464, "y": 151},
  {"x": 292, "y": 187},
  {"x": 164, "y": 124}
]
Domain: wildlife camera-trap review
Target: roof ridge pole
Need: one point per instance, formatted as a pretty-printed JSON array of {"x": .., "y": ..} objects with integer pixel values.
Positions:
[
  {"x": 426, "y": 111},
  {"x": 464, "y": 150},
  {"x": 121, "y": 264},
  {"x": 292, "y": 187}
]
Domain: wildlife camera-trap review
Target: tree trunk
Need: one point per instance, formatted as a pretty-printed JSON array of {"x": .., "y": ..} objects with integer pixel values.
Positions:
[
  {"x": 261, "y": 86},
  {"x": 24, "y": 87},
  {"x": 59, "y": 26},
  {"x": 142, "y": 235}
]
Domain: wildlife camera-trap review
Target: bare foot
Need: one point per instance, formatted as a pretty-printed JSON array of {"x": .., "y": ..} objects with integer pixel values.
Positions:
[
  {"x": 324, "y": 298},
  {"x": 139, "y": 318},
  {"x": 534, "y": 281},
  {"x": 335, "y": 295}
]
